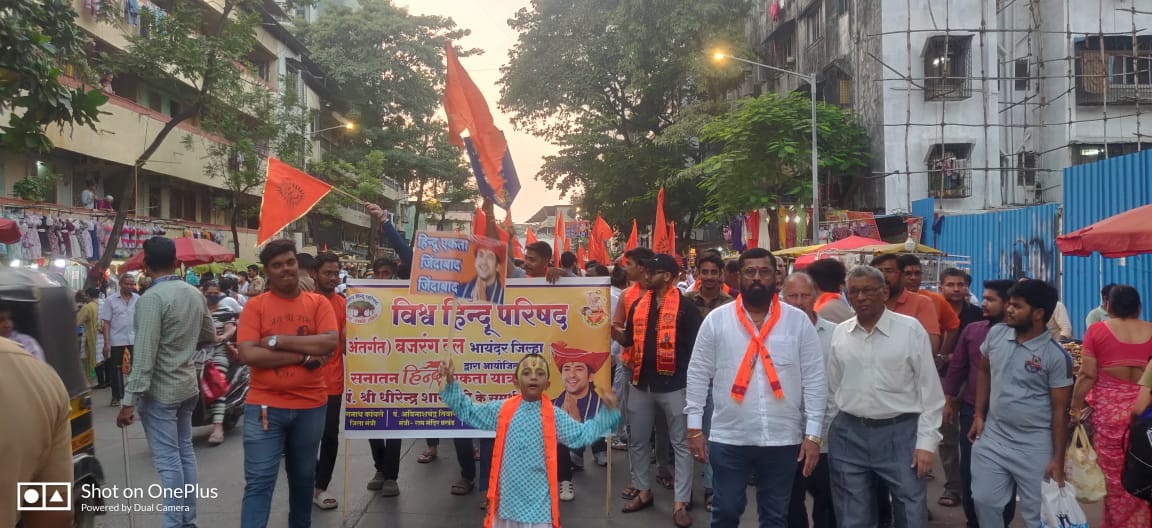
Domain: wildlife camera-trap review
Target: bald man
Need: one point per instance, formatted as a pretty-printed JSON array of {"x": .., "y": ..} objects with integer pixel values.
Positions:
[{"x": 801, "y": 291}]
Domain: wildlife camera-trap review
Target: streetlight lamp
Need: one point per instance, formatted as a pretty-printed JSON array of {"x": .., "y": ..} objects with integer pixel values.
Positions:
[
  {"x": 349, "y": 126},
  {"x": 811, "y": 78}
]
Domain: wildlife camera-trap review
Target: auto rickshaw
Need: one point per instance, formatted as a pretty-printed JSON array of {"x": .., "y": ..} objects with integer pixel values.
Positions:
[{"x": 43, "y": 307}]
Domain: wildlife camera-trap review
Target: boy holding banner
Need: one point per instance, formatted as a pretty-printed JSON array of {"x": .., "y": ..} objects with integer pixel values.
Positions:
[{"x": 518, "y": 483}]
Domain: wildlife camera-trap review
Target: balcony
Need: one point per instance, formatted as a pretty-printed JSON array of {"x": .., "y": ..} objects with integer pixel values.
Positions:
[
  {"x": 950, "y": 178},
  {"x": 947, "y": 88},
  {"x": 1113, "y": 78}
]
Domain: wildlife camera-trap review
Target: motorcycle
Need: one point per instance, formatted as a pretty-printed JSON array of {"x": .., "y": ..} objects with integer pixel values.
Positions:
[{"x": 238, "y": 378}]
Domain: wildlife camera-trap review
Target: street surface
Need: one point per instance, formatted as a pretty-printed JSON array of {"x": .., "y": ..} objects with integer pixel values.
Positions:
[{"x": 424, "y": 502}]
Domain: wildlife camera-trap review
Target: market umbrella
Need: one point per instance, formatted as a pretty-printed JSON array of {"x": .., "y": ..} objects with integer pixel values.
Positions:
[
  {"x": 189, "y": 252},
  {"x": 844, "y": 244},
  {"x": 1124, "y": 235},
  {"x": 9, "y": 231}
]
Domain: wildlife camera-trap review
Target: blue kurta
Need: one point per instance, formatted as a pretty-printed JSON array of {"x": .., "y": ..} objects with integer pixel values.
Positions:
[{"x": 524, "y": 483}]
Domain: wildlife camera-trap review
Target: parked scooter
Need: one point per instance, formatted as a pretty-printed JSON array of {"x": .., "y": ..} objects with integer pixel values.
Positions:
[{"x": 238, "y": 379}]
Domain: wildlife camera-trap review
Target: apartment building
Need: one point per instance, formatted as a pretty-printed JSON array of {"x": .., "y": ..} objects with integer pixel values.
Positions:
[
  {"x": 977, "y": 103},
  {"x": 174, "y": 195}
]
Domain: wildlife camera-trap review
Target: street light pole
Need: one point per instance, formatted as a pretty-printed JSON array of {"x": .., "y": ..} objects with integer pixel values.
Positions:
[
  {"x": 815, "y": 169},
  {"x": 309, "y": 137}
]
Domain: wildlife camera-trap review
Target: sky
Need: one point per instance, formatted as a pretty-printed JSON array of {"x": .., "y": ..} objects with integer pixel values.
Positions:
[{"x": 490, "y": 32}]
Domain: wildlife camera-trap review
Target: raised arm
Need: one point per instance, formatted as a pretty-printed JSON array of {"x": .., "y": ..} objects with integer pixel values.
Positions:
[{"x": 576, "y": 434}]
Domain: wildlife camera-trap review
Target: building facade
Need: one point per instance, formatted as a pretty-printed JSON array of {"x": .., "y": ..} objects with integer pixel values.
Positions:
[{"x": 979, "y": 104}]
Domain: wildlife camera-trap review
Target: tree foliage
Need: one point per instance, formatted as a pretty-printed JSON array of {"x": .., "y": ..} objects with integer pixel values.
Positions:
[
  {"x": 389, "y": 67},
  {"x": 763, "y": 152},
  {"x": 37, "y": 39},
  {"x": 603, "y": 79}
]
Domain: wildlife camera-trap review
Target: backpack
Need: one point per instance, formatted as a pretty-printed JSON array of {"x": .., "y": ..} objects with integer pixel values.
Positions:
[{"x": 1136, "y": 477}]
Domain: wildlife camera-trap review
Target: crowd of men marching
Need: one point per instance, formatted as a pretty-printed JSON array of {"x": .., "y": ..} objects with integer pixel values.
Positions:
[{"x": 842, "y": 384}]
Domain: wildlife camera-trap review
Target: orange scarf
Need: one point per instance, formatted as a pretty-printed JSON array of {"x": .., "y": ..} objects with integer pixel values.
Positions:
[
  {"x": 824, "y": 299},
  {"x": 665, "y": 333},
  {"x": 630, "y": 296},
  {"x": 757, "y": 347},
  {"x": 548, "y": 423}
]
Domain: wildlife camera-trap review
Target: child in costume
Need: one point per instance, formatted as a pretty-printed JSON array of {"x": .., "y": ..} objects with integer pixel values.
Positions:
[{"x": 518, "y": 483}]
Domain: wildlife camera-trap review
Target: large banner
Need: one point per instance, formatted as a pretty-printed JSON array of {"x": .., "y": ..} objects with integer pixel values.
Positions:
[{"x": 397, "y": 339}]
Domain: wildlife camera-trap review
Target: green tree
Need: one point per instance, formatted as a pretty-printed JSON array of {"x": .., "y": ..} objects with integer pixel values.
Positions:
[
  {"x": 389, "y": 66},
  {"x": 193, "y": 49},
  {"x": 603, "y": 79},
  {"x": 37, "y": 38},
  {"x": 763, "y": 152}
]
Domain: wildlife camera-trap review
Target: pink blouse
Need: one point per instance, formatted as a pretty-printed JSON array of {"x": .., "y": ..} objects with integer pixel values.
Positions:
[{"x": 1102, "y": 344}]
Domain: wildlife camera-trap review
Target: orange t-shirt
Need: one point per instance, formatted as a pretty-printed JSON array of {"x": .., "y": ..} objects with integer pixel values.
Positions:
[
  {"x": 334, "y": 368},
  {"x": 917, "y": 307},
  {"x": 949, "y": 321},
  {"x": 292, "y": 386}
]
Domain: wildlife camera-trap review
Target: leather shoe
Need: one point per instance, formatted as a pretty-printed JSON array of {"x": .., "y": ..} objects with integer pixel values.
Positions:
[
  {"x": 638, "y": 504},
  {"x": 681, "y": 518}
]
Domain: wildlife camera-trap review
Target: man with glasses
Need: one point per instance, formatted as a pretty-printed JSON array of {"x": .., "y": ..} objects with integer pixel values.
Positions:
[
  {"x": 764, "y": 359},
  {"x": 661, "y": 326},
  {"x": 883, "y": 382},
  {"x": 117, "y": 316}
]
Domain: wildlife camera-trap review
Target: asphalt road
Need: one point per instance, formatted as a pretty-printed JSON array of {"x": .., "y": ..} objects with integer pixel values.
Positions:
[{"x": 424, "y": 501}]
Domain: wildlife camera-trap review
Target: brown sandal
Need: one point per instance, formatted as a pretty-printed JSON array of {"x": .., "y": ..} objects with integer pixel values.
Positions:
[
  {"x": 427, "y": 456},
  {"x": 638, "y": 504},
  {"x": 681, "y": 518},
  {"x": 463, "y": 487},
  {"x": 629, "y": 493}
]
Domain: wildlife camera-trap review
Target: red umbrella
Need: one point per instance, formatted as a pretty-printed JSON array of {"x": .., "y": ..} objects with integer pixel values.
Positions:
[
  {"x": 852, "y": 242},
  {"x": 189, "y": 252},
  {"x": 1124, "y": 235}
]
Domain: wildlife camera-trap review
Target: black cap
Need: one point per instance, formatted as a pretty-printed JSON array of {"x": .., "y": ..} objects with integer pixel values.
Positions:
[{"x": 663, "y": 262}]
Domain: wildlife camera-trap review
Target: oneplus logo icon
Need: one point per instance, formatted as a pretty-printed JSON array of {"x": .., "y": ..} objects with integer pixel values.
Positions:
[{"x": 44, "y": 496}]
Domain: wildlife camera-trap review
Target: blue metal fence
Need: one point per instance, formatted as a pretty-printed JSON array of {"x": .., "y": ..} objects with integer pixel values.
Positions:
[
  {"x": 1092, "y": 193},
  {"x": 1004, "y": 244}
]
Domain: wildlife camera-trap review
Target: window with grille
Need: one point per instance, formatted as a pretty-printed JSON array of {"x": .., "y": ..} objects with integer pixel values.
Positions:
[
  {"x": 949, "y": 173},
  {"x": 1026, "y": 163},
  {"x": 947, "y": 66},
  {"x": 814, "y": 24}
]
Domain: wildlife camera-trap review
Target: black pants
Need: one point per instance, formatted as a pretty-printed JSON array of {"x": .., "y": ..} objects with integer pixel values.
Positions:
[
  {"x": 564, "y": 458},
  {"x": 820, "y": 486},
  {"x": 113, "y": 369},
  {"x": 329, "y": 443},
  {"x": 386, "y": 457},
  {"x": 465, "y": 454}
]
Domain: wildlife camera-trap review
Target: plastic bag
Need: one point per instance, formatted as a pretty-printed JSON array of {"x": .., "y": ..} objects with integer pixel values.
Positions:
[
  {"x": 1058, "y": 508},
  {"x": 1081, "y": 468},
  {"x": 213, "y": 384}
]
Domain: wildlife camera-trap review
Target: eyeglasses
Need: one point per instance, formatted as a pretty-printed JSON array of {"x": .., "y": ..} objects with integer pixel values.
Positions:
[
  {"x": 864, "y": 291},
  {"x": 752, "y": 273}
]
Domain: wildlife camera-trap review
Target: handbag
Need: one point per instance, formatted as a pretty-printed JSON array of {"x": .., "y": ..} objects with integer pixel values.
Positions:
[
  {"x": 213, "y": 384},
  {"x": 1082, "y": 469},
  {"x": 1136, "y": 477},
  {"x": 1058, "y": 506}
]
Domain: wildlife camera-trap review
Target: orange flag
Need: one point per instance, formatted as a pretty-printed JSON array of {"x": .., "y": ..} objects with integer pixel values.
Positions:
[
  {"x": 633, "y": 239},
  {"x": 479, "y": 223},
  {"x": 580, "y": 256},
  {"x": 672, "y": 238},
  {"x": 660, "y": 242},
  {"x": 289, "y": 194},
  {"x": 559, "y": 239},
  {"x": 529, "y": 237},
  {"x": 600, "y": 235}
]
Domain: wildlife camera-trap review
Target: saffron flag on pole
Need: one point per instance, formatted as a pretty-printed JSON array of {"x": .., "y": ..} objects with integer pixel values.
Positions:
[
  {"x": 289, "y": 193},
  {"x": 479, "y": 223},
  {"x": 529, "y": 237},
  {"x": 660, "y": 243},
  {"x": 672, "y": 239},
  {"x": 486, "y": 146},
  {"x": 559, "y": 238},
  {"x": 581, "y": 257}
]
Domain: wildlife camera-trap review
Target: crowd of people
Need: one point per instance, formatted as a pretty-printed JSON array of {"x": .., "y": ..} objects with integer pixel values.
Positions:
[{"x": 843, "y": 384}]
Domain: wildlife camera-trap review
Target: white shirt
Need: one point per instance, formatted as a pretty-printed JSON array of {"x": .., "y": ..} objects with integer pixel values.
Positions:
[
  {"x": 762, "y": 419},
  {"x": 614, "y": 295},
  {"x": 121, "y": 319},
  {"x": 886, "y": 373},
  {"x": 1060, "y": 325},
  {"x": 824, "y": 330}
]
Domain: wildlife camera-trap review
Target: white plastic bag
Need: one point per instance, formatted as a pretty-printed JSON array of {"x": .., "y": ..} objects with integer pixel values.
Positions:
[
  {"x": 1058, "y": 507},
  {"x": 1081, "y": 468}
]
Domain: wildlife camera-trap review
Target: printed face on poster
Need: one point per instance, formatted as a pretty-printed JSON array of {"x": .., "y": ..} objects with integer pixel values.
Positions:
[
  {"x": 397, "y": 339},
  {"x": 468, "y": 267}
]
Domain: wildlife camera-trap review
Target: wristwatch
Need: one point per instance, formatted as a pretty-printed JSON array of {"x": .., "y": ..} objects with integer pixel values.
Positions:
[
  {"x": 272, "y": 342},
  {"x": 815, "y": 439}
]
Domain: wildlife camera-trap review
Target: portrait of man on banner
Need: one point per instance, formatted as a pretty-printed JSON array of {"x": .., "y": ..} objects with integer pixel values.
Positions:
[
  {"x": 577, "y": 370},
  {"x": 487, "y": 285}
]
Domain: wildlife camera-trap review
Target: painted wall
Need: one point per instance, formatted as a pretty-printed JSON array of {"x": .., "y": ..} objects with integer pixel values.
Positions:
[
  {"x": 1092, "y": 193},
  {"x": 1004, "y": 244}
]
